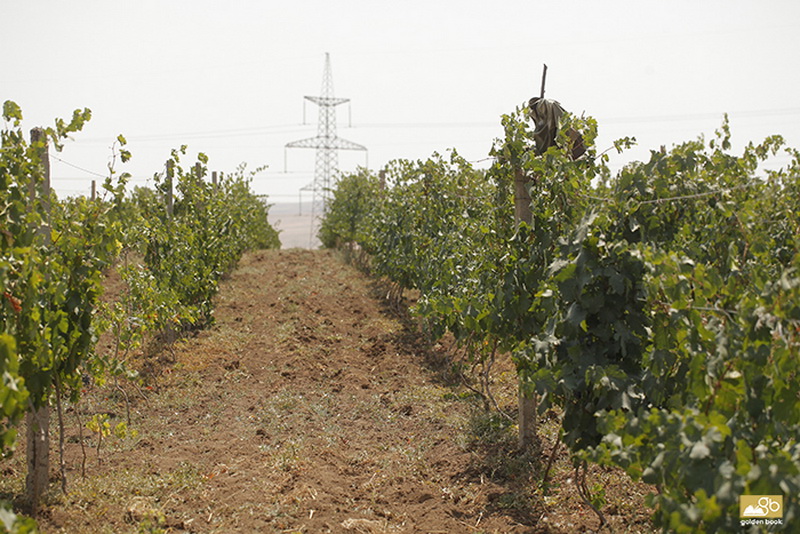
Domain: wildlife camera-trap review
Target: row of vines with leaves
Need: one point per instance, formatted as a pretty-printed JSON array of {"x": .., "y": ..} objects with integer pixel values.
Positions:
[
  {"x": 54, "y": 253},
  {"x": 657, "y": 308}
]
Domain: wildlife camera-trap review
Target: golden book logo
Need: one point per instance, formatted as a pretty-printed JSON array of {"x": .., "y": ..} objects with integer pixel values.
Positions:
[{"x": 760, "y": 506}]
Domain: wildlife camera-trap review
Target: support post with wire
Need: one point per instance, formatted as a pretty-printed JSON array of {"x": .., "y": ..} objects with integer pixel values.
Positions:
[
  {"x": 523, "y": 214},
  {"x": 37, "y": 419}
]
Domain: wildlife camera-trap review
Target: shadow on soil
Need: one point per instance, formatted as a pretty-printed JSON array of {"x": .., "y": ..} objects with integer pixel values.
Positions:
[{"x": 491, "y": 438}]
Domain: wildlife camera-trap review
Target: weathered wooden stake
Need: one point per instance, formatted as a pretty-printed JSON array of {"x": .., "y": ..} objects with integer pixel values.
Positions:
[
  {"x": 38, "y": 418},
  {"x": 527, "y": 404},
  {"x": 544, "y": 77},
  {"x": 170, "y": 174},
  {"x": 522, "y": 213}
]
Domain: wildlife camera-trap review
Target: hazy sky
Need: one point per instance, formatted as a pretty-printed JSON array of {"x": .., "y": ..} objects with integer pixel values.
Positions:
[{"x": 228, "y": 78}]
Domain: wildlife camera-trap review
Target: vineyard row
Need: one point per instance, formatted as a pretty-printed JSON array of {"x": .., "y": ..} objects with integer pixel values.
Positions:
[
  {"x": 53, "y": 257},
  {"x": 657, "y": 309}
]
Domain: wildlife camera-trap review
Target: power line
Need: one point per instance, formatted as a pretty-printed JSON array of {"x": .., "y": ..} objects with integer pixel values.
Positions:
[
  {"x": 228, "y": 132},
  {"x": 298, "y": 127},
  {"x": 87, "y": 171}
]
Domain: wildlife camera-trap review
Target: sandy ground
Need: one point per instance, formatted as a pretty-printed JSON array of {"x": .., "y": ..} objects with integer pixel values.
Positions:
[{"x": 294, "y": 221}]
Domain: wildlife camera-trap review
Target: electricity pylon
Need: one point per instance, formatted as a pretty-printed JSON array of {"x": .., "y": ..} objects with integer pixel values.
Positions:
[{"x": 326, "y": 142}]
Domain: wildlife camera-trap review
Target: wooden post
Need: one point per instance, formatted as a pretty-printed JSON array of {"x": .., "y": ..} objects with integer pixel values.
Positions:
[
  {"x": 527, "y": 419},
  {"x": 522, "y": 213},
  {"x": 38, "y": 418},
  {"x": 522, "y": 198},
  {"x": 94, "y": 189},
  {"x": 38, "y": 455},
  {"x": 38, "y": 136},
  {"x": 198, "y": 170},
  {"x": 527, "y": 404},
  {"x": 214, "y": 180},
  {"x": 544, "y": 77},
  {"x": 170, "y": 174}
]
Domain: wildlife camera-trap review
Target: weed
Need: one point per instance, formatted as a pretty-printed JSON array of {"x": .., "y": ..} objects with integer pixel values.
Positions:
[{"x": 491, "y": 428}]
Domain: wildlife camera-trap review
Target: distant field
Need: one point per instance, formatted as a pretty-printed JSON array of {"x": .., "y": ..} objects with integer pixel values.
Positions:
[{"x": 293, "y": 220}]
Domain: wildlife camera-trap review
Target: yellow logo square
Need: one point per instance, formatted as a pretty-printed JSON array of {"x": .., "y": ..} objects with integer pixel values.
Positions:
[{"x": 760, "y": 506}]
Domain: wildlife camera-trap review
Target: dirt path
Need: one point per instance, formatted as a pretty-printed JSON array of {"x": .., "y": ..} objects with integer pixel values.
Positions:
[{"x": 307, "y": 408}]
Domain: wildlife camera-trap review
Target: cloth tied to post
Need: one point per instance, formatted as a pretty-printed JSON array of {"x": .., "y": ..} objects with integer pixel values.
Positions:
[{"x": 545, "y": 114}]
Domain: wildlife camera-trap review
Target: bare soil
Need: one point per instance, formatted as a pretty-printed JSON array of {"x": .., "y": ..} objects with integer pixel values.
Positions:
[{"x": 311, "y": 406}]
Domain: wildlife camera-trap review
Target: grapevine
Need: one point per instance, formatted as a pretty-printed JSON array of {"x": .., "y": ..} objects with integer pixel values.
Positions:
[
  {"x": 53, "y": 254},
  {"x": 657, "y": 308}
]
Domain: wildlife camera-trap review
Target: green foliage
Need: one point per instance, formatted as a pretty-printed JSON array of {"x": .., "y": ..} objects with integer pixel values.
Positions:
[
  {"x": 85, "y": 237},
  {"x": 51, "y": 257},
  {"x": 657, "y": 308},
  {"x": 187, "y": 252},
  {"x": 11, "y": 523},
  {"x": 349, "y": 213},
  {"x": 13, "y": 394},
  {"x": 53, "y": 253},
  {"x": 428, "y": 220},
  {"x": 588, "y": 356}
]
